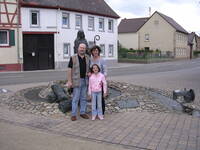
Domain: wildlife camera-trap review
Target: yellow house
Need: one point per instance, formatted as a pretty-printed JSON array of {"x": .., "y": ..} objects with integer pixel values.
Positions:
[
  {"x": 10, "y": 36},
  {"x": 156, "y": 32}
]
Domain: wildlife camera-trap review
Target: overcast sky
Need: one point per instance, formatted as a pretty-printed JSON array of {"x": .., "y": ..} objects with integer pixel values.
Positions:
[{"x": 184, "y": 12}]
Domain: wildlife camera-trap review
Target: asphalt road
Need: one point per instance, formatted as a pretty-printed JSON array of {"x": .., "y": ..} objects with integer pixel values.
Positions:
[{"x": 10, "y": 78}]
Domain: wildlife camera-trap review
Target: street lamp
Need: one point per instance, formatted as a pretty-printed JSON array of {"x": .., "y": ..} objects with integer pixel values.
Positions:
[{"x": 96, "y": 38}]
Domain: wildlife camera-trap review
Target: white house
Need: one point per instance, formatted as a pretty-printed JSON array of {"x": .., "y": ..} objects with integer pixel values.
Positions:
[{"x": 50, "y": 27}]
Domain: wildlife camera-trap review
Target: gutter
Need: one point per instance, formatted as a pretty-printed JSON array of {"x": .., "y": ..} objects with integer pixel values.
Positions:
[{"x": 18, "y": 36}]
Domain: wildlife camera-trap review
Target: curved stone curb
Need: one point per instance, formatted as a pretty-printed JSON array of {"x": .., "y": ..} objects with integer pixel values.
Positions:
[{"x": 18, "y": 101}]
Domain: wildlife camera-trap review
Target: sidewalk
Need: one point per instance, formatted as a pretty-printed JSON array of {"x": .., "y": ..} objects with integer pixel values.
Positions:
[{"x": 129, "y": 130}]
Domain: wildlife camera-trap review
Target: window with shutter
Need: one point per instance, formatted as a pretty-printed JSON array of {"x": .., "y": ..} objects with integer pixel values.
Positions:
[
  {"x": 4, "y": 37},
  {"x": 12, "y": 38}
]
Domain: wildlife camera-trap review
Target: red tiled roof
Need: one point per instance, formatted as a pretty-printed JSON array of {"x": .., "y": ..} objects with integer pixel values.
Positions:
[
  {"x": 173, "y": 23},
  {"x": 131, "y": 25},
  {"x": 96, "y": 7}
]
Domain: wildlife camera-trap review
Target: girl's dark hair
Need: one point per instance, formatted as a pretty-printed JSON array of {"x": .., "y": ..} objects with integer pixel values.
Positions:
[
  {"x": 93, "y": 66},
  {"x": 94, "y": 48}
]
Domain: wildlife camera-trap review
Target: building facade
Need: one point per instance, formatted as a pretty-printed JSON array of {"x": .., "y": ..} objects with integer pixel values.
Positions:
[
  {"x": 10, "y": 36},
  {"x": 50, "y": 28},
  {"x": 158, "y": 32},
  {"x": 163, "y": 33}
]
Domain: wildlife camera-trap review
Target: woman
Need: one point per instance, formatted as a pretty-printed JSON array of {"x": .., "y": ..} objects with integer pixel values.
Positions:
[{"x": 96, "y": 59}]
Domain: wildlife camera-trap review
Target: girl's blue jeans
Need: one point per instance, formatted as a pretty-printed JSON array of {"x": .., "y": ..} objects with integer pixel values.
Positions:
[{"x": 96, "y": 103}]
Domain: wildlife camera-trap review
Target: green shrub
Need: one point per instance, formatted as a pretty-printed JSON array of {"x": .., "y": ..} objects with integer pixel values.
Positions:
[{"x": 196, "y": 53}]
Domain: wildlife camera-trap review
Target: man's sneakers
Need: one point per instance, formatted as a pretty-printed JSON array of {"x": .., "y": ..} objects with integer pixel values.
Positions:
[
  {"x": 84, "y": 116},
  {"x": 73, "y": 118}
]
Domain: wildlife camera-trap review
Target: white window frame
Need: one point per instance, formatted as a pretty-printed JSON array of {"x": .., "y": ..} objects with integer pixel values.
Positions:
[
  {"x": 38, "y": 18},
  {"x": 101, "y": 29},
  {"x": 102, "y": 46},
  {"x": 110, "y": 51},
  {"x": 146, "y": 37},
  {"x": 112, "y": 25},
  {"x": 66, "y": 15},
  {"x": 77, "y": 17},
  {"x": 91, "y": 26},
  {"x": 68, "y": 46},
  {"x": 5, "y": 44}
]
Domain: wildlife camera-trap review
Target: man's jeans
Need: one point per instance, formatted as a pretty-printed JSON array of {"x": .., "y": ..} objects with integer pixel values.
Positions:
[
  {"x": 79, "y": 93},
  {"x": 96, "y": 103}
]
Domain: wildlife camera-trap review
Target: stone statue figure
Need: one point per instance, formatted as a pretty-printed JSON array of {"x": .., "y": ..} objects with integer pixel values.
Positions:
[{"x": 80, "y": 39}]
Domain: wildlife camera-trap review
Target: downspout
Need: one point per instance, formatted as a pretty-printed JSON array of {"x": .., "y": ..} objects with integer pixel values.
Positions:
[
  {"x": 175, "y": 44},
  {"x": 138, "y": 47},
  {"x": 57, "y": 31},
  {"x": 18, "y": 36}
]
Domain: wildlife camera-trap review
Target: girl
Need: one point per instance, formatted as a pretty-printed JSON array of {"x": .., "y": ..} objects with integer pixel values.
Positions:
[
  {"x": 96, "y": 80},
  {"x": 97, "y": 59}
]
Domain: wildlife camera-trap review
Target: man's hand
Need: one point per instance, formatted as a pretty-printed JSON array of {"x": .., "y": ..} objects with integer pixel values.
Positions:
[
  {"x": 89, "y": 97},
  {"x": 105, "y": 95},
  {"x": 69, "y": 84},
  {"x": 89, "y": 74}
]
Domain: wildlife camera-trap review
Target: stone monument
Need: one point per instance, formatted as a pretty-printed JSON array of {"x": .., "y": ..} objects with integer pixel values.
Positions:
[{"x": 80, "y": 39}]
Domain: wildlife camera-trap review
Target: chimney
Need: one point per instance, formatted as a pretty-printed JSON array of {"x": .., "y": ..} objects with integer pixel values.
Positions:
[{"x": 149, "y": 11}]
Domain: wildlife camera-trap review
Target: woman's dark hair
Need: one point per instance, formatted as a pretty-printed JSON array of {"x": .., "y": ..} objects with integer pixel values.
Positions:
[
  {"x": 93, "y": 66},
  {"x": 94, "y": 48}
]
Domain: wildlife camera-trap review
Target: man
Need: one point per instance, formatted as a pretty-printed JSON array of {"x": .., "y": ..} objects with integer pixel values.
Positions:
[{"x": 78, "y": 68}]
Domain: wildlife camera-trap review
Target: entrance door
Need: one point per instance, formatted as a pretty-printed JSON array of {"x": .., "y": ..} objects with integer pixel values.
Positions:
[{"x": 38, "y": 51}]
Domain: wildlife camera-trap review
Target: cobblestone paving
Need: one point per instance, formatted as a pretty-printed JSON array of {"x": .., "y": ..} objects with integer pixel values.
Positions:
[
  {"x": 140, "y": 130},
  {"x": 135, "y": 129}
]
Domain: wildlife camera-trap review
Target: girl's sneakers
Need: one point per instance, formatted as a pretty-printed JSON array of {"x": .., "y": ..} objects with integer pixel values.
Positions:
[
  {"x": 101, "y": 117},
  {"x": 98, "y": 117},
  {"x": 93, "y": 117}
]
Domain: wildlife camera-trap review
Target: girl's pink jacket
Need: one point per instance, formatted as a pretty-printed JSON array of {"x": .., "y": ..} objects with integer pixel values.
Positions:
[{"x": 95, "y": 83}]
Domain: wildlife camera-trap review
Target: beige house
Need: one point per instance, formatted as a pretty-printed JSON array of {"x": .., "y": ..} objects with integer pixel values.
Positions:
[
  {"x": 10, "y": 36},
  {"x": 156, "y": 32}
]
